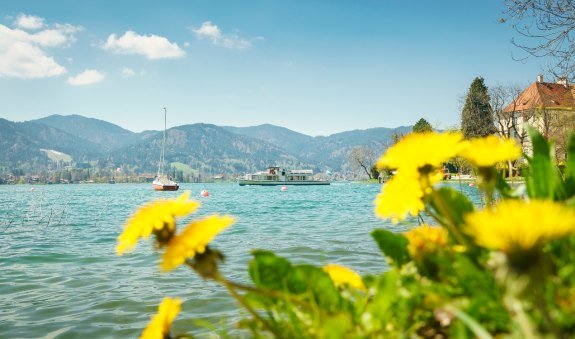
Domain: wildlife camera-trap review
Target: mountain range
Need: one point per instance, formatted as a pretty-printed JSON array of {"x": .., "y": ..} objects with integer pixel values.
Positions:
[{"x": 201, "y": 148}]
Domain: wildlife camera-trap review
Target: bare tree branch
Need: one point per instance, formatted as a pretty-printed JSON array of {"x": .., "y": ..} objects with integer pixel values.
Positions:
[
  {"x": 546, "y": 28},
  {"x": 362, "y": 157}
]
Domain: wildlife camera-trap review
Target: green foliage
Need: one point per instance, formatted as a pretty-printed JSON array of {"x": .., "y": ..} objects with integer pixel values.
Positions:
[
  {"x": 544, "y": 181},
  {"x": 570, "y": 167},
  {"x": 269, "y": 271},
  {"x": 450, "y": 207},
  {"x": 477, "y": 115},
  {"x": 422, "y": 126},
  {"x": 393, "y": 246},
  {"x": 374, "y": 171}
]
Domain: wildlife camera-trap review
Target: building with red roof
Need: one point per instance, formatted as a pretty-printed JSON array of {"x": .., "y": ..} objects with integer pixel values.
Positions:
[{"x": 549, "y": 107}]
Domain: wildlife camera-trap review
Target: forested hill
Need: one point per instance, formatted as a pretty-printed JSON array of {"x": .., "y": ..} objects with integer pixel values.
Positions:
[{"x": 203, "y": 148}]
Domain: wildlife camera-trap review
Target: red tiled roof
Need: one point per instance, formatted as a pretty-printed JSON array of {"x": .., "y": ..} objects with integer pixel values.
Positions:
[{"x": 543, "y": 95}]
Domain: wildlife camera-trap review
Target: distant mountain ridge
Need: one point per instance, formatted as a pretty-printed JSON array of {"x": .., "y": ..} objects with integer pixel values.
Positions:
[
  {"x": 207, "y": 148},
  {"x": 100, "y": 132},
  {"x": 282, "y": 137},
  {"x": 325, "y": 151}
]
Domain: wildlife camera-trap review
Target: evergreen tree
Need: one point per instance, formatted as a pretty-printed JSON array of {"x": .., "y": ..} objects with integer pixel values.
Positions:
[
  {"x": 477, "y": 116},
  {"x": 422, "y": 126}
]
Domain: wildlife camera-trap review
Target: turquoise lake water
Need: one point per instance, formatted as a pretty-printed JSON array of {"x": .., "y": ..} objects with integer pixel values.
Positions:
[{"x": 60, "y": 276}]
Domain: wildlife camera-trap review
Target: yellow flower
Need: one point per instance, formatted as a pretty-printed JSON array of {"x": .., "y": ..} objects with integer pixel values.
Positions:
[
  {"x": 341, "y": 275},
  {"x": 488, "y": 151},
  {"x": 424, "y": 239},
  {"x": 157, "y": 217},
  {"x": 404, "y": 194},
  {"x": 417, "y": 150},
  {"x": 159, "y": 326},
  {"x": 517, "y": 225},
  {"x": 193, "y": 239}
]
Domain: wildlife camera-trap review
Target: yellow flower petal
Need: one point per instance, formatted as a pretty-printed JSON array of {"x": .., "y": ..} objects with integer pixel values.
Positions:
[
  {"x": 520, "y": 225},
  {"x": 425, "y": 239},
  {"x": 341, "y": 275},
  {"x": 193, "y": 239},
  {"x": 160, "y": 324},
  {"x": 488, "y": 151},
  {"x": 401, "y": 195},
  {"x": 154, "y": 216},
  {"x": 417, "y": 150}
]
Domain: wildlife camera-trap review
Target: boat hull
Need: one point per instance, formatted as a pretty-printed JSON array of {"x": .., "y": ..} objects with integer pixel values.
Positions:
[
  {"x": 166, "y": 187},
  {"x": 281, "y": 183},
  {"x": 165, "y": 184}
]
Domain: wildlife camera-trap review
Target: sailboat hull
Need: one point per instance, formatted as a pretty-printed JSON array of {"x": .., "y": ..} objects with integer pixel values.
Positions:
[
  {"x": 165, "y": 184},
  {"x": 166, "y": 187}
]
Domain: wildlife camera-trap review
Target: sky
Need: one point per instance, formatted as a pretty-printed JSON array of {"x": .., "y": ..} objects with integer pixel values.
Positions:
[{"x": 317, "y": 67}]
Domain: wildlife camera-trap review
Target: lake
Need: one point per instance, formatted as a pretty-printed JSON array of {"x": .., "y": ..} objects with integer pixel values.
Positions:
[{"x": 61, "y": 277}]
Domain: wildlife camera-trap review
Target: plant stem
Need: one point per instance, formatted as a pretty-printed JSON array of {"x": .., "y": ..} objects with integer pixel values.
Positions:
[
  {"x": 242, "y": 301},
  {"x": 516, "y": 309}
]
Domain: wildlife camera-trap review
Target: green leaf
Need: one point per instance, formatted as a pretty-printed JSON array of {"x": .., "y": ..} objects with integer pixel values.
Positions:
[
  {"x": 450, "y": 206},
  {"x": 570, "y": 167},
  {"x": 268, "y": 270},
  {"x": 544, "y": 180},
  {"x": 256, "y": 300},
  {"x": 387, "y": 295},
  {"x": 478, "y": 330},
  {"x": 503, "y": 187},
  {"x": 539, "y": 144},
  {"x": 336, "y": 327},
  {"x": 392, "y": 245},
  {"x": 306, "y": 278}
]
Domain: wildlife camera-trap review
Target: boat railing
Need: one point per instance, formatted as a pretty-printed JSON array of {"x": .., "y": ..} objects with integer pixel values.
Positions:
[{"x": 301, "y": 172}]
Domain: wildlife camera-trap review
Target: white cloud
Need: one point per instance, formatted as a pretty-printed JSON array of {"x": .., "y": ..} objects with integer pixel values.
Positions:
[
  {"x": 30, "y": 22},
  {"x": 128, "y": 72},
  {"x": 208, "y": 30},
  {"x": 212, "y": 32},
  {"x": 151, "y": 46},
  {"x": 25, "y": 55},
  {"x": 88, "y": 77},
  {"x": 23, "y": 60}
]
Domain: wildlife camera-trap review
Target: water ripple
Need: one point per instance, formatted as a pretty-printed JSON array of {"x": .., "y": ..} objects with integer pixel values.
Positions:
[{"x": 61, "y": 277}]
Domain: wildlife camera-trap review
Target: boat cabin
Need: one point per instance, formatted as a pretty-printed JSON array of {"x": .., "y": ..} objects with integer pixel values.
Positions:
[{"x": 275, "y": 173}]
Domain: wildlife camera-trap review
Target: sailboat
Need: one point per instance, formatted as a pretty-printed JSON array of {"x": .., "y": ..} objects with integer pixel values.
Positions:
[{"x": 162, "y": 182}]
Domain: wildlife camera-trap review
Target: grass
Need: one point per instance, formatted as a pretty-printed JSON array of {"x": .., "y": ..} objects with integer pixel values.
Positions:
[
  {"x": 56, "y": 156},
  {"x": 184, "y": 168}
]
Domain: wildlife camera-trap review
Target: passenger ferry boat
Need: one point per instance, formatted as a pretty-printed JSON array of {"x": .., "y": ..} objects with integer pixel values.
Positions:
[{"x": 279, "y": 176}]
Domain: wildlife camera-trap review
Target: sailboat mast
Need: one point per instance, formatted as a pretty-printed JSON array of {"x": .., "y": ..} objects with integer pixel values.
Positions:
[{"x": 161, "y": 164}]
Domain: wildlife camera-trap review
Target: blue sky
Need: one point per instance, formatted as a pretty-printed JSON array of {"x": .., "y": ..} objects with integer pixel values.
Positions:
[{"x": 316, "y": 67}]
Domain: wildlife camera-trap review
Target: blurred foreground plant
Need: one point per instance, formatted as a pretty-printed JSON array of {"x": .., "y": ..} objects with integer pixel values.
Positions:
[{"x": 504, "y": 270}]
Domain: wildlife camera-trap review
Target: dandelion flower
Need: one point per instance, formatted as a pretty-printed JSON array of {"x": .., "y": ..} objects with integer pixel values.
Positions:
[
  {"x": 401, "y": 195},
  {"x": 193, "y": 239},
  {"x": 156, "y": 217},
  {"x": 424, "y": 239},
  {"x": 488, "y": 151},
  {"x": 418, "y": 150},
  {"x": 341, "y": 275},
  {"x": 159, "y": 326},
  {"x": 520, "y": 226}
]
